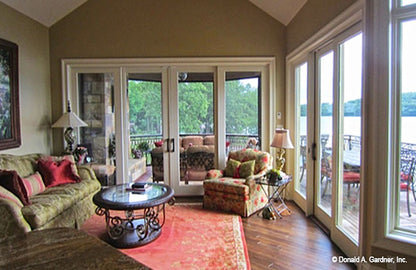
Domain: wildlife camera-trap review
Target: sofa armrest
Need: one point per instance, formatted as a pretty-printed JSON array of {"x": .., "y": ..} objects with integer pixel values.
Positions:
[
  {"x": 12, "y": 221},
  {"x": 212, "y": 174},
  {"x": 86, "y": 172}
]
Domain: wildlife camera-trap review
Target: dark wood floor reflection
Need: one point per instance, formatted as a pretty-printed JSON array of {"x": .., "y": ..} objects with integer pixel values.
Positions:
[{"x": 293, "y": 242}]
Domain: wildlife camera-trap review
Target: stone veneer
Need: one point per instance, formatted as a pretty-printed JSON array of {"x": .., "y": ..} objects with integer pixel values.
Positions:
[{"x": 96, "y": 95}]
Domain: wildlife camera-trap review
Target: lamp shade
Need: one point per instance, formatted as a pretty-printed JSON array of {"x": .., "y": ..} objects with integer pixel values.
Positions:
[
  {"x": 281, "y": 139},
  {"x": 69, "y": 119}
]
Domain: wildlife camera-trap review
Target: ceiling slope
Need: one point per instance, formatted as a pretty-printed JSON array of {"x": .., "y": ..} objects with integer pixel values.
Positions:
[
  {"x": 49, "y": 12},
  {"x": 281, "y": 10}
]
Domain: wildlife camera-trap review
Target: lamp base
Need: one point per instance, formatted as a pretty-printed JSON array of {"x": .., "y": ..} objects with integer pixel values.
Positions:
[
  {"x": 69, "y": 137},
  {"x": 280, "y": 160}
]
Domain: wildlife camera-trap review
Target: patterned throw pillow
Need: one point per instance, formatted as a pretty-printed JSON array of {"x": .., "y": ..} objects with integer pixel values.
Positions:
[
  {"x": 236, "y": 169},
  {"x": 57, "y": 173},
  {"x": 34, "y": 184}
]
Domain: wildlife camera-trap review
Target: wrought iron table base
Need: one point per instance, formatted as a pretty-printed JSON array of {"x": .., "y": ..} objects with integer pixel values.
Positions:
[{"x": 135, "y": 229}]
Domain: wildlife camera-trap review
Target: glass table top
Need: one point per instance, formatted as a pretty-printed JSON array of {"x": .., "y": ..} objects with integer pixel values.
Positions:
[{"x": 123, "y": 196}]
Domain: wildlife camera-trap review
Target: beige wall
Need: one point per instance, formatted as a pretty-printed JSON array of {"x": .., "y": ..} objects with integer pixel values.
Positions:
[
  {"x": 164, "y": 28},
  {"x": 34, "y": 79},
  {"x": 314, "y": 15}
]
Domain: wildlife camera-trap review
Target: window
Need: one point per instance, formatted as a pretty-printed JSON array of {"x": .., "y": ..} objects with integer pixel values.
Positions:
[{"x": 403, "y": 111}]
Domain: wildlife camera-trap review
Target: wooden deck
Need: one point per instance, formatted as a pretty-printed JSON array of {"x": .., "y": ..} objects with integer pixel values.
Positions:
[{"x": 351, "y": 209}]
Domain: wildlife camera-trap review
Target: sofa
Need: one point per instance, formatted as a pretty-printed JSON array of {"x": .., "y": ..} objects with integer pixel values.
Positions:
[
  {"x": 196, "y": 154},
  {"x": 64, "y": 205},
  {"x": 233, "y": 191}
]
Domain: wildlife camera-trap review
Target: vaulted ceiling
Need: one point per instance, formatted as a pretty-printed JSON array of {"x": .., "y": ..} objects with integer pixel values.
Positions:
[{"x": 49, "y": 12}]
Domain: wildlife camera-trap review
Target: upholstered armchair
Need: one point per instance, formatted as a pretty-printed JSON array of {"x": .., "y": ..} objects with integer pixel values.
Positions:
[{"x": 234, "y": 189}]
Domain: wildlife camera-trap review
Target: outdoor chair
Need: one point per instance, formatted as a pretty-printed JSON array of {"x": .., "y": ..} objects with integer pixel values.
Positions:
[
  {"x": 407, "y": 170},
  {"x": 351, "y": 176}
]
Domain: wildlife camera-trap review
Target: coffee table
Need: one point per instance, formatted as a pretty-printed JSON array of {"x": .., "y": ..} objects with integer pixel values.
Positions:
[{"x": 133, "y": 218}]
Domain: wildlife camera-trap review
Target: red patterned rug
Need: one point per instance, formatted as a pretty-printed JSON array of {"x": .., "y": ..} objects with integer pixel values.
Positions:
[{"x": 192, "y": 238}]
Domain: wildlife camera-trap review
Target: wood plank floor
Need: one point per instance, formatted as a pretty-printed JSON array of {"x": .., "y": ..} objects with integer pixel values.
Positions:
[{"x": 293, "y": 242}]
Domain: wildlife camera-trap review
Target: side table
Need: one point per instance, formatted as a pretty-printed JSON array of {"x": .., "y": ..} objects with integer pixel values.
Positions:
[{"x": 278, "y": 188}]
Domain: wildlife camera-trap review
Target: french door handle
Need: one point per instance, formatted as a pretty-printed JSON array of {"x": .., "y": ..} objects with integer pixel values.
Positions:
[
  {"x": 173, "y": 144},
  {"x": 314, "y": 151},
  {"x": 168, "y": 145}
]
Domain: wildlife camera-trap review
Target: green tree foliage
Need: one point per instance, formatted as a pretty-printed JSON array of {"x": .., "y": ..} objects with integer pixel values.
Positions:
[
  {"x": 145, "y": 100},
  {"x": 196, "y": 108},
  {"x": 241, "y": 108},
  {"x": 353, "y": 107}
]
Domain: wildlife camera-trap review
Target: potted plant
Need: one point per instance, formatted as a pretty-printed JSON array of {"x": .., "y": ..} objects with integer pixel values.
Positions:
[{"x": 273, "y": 175}]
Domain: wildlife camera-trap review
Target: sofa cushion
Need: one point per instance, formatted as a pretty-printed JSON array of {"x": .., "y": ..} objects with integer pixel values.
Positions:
[
  {"x": 53, "y": 201},
  {"x": 57, "y": 173},
  {"x": 209, "y": 140},
  {"x": 227, "y": 185},
  {"x": 11, "y": 181},
  {"x": 24, "y": 165},
  {"x": 34, "y": 184},
  {"x": 58, "y": 159},
  {"x": 192, "y": 140}
]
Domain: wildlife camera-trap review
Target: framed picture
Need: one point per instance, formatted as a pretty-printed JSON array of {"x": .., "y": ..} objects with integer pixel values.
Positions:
[{"x": 9, "y": 96}]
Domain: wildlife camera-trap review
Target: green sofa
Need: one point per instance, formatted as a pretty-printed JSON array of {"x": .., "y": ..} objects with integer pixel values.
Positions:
[{"x": 61, "y": 206}]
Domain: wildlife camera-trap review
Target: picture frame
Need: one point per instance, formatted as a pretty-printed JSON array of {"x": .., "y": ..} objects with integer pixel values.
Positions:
[{"x": 9, "y": 96}]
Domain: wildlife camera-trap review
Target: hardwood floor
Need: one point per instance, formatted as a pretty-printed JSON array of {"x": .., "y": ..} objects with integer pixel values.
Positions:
[{"x": 293, "y": 242}]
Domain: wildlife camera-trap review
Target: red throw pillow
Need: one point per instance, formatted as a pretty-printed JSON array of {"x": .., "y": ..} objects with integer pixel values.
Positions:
[
  {"x": 57, "y": 173},
  {"x": 159, "y": 143},
  {"x": 11, "y": 181}
]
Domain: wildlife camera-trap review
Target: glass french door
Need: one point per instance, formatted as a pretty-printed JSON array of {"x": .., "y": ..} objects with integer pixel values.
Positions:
[
  {"x": 170, "y": 114},
  {"x": 328, "y": 88},
  {"x": 193, "y": 131},
  {"x": 94, "y": 99}
]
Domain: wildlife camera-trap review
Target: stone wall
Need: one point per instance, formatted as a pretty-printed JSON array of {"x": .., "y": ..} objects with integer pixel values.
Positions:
[{"x": 97, "y": 110}]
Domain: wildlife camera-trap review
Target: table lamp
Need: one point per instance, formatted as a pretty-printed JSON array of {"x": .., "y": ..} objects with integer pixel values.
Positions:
[
  {"x": 282, "y": 141},
  {"x": 69, "y": 120}
]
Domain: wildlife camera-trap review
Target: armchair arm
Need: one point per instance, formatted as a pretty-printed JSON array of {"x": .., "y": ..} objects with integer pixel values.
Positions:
[
  {"x": 86, "y": 172},
  {"x": 212, "y": 174},
  {"x": 12, "y": 221}
]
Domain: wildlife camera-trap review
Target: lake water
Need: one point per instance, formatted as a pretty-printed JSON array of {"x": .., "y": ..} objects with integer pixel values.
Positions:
[{"x": 352, "y": 126}]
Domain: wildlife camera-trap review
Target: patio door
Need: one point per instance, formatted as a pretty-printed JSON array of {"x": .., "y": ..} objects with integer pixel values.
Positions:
[
  {"x": 328, "y": 136},
  {"x": 184, "y": 108},
  {"x": 191, "y": 124}
]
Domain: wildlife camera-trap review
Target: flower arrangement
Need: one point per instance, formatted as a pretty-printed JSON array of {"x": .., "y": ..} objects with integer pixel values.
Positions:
[{"x": 273, "y": 175}]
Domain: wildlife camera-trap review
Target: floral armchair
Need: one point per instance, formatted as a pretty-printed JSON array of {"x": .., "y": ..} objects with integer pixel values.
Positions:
[{"x": 234, "y": 189}]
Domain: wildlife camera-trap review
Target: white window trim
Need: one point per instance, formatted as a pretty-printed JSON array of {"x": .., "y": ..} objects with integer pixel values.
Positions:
[
  {"x": 381, "y": 88},
  {"x": 267, "y": 65}
]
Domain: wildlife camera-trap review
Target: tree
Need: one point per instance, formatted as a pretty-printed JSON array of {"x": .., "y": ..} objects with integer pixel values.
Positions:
[{"x": 196, "y": 108}]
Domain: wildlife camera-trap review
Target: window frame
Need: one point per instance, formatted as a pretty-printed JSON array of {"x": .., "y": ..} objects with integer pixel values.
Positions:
[{"x": 382, "y": 87}]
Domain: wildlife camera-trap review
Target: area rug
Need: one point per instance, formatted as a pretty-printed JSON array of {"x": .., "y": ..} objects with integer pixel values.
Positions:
[{"x": 192, "y": 238}]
